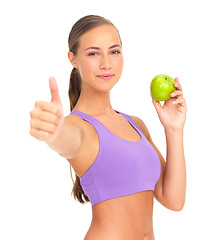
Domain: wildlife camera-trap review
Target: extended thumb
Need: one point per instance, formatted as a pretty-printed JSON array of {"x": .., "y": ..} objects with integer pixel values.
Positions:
[{"x": 55, "y": 97}]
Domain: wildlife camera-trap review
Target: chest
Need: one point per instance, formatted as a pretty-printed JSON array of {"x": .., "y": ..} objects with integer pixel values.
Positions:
[
  {"x": 90, "y": 146},
  {"x": 121, "y": 128}
]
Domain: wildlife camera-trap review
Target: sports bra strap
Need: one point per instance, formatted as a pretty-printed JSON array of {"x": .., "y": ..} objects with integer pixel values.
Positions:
[{"x": 100, "y": 127}]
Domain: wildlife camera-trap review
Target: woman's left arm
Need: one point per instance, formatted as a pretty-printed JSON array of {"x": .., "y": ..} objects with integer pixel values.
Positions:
[{"x": 170, "y": 189}]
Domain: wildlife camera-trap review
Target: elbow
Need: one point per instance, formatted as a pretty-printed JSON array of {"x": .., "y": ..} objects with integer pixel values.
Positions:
[
  {"x": 177, "y": 207},
  {"x": 174, "y": 204}
]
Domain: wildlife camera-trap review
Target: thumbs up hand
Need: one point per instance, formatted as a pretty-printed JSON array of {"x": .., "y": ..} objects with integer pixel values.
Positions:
[{"x": 47, "y": 117}]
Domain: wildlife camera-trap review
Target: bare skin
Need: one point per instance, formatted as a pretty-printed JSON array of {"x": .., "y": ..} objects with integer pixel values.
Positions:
[{"x": 124, "y": 218}]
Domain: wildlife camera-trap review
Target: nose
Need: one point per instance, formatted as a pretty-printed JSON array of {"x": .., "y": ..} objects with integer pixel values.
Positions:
[{"x": 105, "y": 63}]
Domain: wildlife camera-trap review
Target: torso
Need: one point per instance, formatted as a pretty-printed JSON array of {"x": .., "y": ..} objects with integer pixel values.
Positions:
[{"x": 123, "y": 218}]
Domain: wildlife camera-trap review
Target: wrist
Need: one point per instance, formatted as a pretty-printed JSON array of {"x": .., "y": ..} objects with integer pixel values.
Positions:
[
  {"x": 173, "y": 131},
  {"x": 174, "y": 139}
]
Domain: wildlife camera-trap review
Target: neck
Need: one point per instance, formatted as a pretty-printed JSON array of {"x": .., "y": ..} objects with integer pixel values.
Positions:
[{"x": 94, "y": 102}]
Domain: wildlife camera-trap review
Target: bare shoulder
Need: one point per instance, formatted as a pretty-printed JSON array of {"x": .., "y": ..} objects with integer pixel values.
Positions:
[
  {"x": 77, "y": 124},
  {"x": 141, "y": 125},
  {"x": 75, "y": 121},
  {"x": 73, "y": 117},
  {"x": 83, "y": 127}
]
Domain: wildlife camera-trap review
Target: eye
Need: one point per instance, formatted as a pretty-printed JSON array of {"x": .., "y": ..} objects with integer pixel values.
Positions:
[
  {"x": 92, "y": 54},
  {"x": 116, "y": 52}
]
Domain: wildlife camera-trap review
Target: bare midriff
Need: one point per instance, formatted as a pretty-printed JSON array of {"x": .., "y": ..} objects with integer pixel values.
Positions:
[{"x": 123, "y": 218}]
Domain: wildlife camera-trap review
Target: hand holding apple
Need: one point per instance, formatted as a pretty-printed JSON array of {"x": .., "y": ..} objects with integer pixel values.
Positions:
[{"x": 173, "y": 112}]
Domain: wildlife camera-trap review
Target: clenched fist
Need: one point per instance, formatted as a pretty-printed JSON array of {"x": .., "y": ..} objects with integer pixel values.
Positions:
[{"x": 47, "y": 117}]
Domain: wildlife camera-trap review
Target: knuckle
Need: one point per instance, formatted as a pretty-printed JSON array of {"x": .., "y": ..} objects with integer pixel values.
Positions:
[
  {"x": 31, "y": 122},
  {"x": 39, "y": 105},
  {"x": 55, "y": 119},
  {"x": 45, "y": 135},
  {"x": 34, "y": 134},
  {"x": 42, "y": 136},
  {"x": 50, "y": 127},
  {"x": 31, "y": 113},
  {"x": 31, "y": 132}
]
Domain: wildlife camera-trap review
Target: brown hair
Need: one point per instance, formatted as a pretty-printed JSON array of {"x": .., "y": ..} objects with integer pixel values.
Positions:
[{"x": 83, "y": 25}]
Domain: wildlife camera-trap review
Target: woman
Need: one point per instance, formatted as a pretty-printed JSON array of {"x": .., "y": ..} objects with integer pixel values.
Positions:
[{"x": 118, "y": 168}]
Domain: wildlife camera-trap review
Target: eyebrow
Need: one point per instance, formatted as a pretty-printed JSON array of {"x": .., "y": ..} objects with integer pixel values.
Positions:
[{"x": 97, "y": 48}]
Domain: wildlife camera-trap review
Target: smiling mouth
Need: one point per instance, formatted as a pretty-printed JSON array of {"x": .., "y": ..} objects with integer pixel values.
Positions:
[{"x": 105, "y": 77}]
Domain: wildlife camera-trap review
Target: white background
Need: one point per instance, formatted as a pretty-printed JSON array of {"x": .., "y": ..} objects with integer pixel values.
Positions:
[{"x": 177, "y": 38}]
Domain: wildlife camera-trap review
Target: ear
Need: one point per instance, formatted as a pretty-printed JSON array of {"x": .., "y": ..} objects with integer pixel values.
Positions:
[{"x": 72, "y": 59}]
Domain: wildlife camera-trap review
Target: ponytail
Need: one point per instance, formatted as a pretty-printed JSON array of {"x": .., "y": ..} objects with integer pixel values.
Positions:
[{"x": 74, "y": 88}]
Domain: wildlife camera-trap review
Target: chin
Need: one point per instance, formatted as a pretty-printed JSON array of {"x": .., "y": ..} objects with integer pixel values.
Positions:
[
  {"x": 107, "y": 85},
  {"x": 105, "y": 89}
]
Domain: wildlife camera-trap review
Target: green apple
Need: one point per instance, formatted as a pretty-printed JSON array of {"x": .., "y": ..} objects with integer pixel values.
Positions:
[{"x": 161, "y": 87}]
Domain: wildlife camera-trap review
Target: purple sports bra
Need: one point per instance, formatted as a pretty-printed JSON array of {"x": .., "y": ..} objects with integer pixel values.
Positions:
[{"x": 121, "y": 167}]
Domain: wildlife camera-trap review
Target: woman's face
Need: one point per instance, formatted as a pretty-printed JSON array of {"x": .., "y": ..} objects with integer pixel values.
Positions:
[{"x": 100, "y": 53}]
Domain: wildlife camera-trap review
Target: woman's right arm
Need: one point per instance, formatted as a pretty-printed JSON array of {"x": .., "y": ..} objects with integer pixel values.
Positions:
[{"x": 48, "y": 124}]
